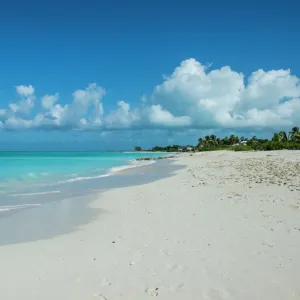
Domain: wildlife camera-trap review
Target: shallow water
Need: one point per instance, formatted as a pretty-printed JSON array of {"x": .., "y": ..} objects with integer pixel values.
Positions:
[
  {"x": 50, "y": 214},
  {"x": 26, "y": 177}
]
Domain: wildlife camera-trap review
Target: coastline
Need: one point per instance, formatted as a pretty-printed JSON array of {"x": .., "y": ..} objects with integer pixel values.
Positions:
[
  {"x": 70, "y": 206},
  {"x": 224, "y": 226},
  {"x": 12, "y": 196}
]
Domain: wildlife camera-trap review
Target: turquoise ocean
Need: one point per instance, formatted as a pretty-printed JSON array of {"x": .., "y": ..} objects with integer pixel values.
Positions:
[{"x": 26, "y": 176}]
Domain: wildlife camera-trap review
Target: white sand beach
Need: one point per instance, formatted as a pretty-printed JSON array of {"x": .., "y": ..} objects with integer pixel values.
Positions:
[{"x": 227, "y": 226}]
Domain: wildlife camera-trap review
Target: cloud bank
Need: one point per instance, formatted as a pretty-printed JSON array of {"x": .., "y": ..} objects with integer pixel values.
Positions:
[{"x": 193, "y": 96}]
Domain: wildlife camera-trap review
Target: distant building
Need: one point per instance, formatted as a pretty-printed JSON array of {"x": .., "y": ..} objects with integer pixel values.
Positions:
[{"x": 185, "y": 149}]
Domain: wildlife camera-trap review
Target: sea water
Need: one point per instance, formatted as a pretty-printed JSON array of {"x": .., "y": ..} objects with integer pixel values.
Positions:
[{"x": 29, "y": 179}]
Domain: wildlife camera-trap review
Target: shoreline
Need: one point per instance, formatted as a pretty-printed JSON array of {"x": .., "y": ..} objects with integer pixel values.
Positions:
[
  {"x": 157, "y": 158},
  {"x": 224, "y": 226},
  {"x": 66, "y": 213},
  {"x": 53, "y": 187}
]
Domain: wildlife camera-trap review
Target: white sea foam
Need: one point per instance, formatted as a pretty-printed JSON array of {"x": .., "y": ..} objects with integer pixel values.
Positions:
[
  {"x": 84, "y": 178},
  {"x": 136, "y": 152},
  {"x": 14, "y": 207},
  {"x": 34, "y": 194},
  {"x": 134, "y": 164}
]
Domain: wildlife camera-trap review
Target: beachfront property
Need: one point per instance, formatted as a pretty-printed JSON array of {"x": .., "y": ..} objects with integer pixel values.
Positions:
[
  {"x": 186, "y": 149},
  {"x": 241, "y": 143}
]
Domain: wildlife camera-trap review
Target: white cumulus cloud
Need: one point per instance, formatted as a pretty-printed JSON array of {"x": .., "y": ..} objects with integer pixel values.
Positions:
[
  {"x": 161, "y": 117},
  {"x": 192, "y": 96},
  {"x": 49, "y": 100},
  {"x": 27, "y": 100},
  {"x": 25, "y": 90}
]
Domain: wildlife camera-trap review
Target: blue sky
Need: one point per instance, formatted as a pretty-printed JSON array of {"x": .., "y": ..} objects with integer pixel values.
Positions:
[{"x": 113, "y": 74}]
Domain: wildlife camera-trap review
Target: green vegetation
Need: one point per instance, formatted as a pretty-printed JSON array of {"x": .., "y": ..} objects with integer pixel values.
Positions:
[
  {"x": 241, "y": 148},
  {"x": 211, "y": 141},
  {"x": 273, "y": 145},
  {"x": 173, "y": 148},
  {"x": 137, "y": 148},
  {"x": 280, "y": 140}
]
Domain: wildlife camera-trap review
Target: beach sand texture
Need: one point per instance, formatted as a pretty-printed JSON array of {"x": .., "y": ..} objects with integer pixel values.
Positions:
[{"x": 227, "y": 226}]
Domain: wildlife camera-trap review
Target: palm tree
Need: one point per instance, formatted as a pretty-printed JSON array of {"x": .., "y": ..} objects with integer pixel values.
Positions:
[
  {"x": 213, "y": 137},
  {"x": 200, "y": 142},
  {"x": 283, "y": 136},
  {"x": 294, "y": 132},
  {"x": 232, "y": 139},
  {"x": 276, "y": 137},
  {"x": 213, "y": 140},
  {"x": 207, "y": 140},
  {"x": 254, "y": 138},
  {"x": 297, "y": 137}
]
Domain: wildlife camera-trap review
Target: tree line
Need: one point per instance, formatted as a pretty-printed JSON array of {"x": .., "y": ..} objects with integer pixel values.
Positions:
[{"x": 280, "y": 140}]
